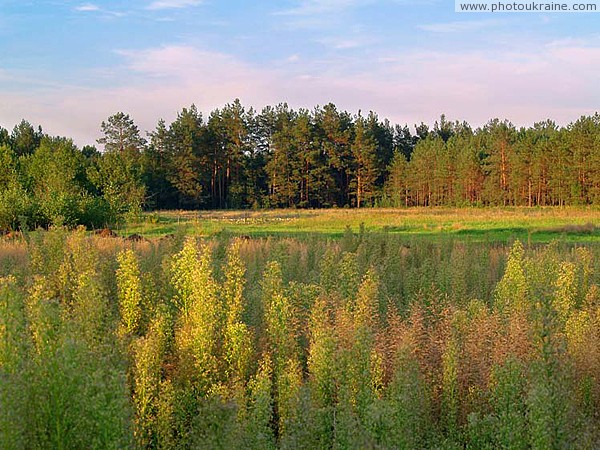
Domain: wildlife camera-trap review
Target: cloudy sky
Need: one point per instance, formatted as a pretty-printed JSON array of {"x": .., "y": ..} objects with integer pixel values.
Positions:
[{"x": 67, "y": 65}]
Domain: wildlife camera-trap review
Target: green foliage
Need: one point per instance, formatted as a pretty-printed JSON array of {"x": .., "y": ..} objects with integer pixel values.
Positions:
[
  {"x": 238, "y": 337},
  {"x": 289, "y": 343},
  {"x": 260, "y": 413},
  {"x": 289, "y": 383},
  {"x": 213, "y": 426},
  {"x": 13, "y": 353},
  {"x": 73, "y": 391},
  {"x": 47, "y": 186},
  {"x": 566, "y": 291},
  {"x": 183, "y": 156},
  {"x": 121, "y": 134},
  {"x": 396, "y": 187},
  {"x": 406, "y": 415},
  {"x": 200, "y": 324},
  {"x": 508, "y": 401},
  {"x": 450, "y": 389},
  {"x": 364, "y": 148},
  {"x": 359, "y": 368},
  {"x": 24, "y": 138},
  {"x": 130, "y": 292},
  {"x": 182, "y": 275},
  {"x": 118, "y": 178},
  {"x": 512, "y": 291},
  {"x": 322, "y": 361},
  {"x": 279, "y": 318},
  {"x": 18, "y": 209},
  {"x": 280, "y": 157},
  {"x": 548, "y": 400},
  {"x": 8, "y": 167},
  {"x": 149, "y": 353},
  {"x": 366, "y": 307},
  {"x": 348, "y": 277},
  {"x": 281, "y": 333},
  {"x": 56, "y": 174}
]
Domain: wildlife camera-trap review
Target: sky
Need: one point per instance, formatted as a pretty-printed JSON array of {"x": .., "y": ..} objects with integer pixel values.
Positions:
[{"x": 68, "y": 65}]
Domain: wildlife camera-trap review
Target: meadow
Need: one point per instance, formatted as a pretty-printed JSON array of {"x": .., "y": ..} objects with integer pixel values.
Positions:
[
  {"x": 572, "y": 224},
  {"x": 433, "y": 329}
]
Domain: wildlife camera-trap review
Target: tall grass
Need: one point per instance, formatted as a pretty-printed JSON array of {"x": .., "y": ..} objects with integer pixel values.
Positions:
[{"x": 369, "y": 341}]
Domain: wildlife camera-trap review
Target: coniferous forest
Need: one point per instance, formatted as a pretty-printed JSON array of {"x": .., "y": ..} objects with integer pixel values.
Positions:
[{"x": 280, "y": 157}]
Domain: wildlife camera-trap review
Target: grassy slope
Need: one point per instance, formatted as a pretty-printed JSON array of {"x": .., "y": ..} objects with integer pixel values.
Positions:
[{"x": 493, "y": 224}]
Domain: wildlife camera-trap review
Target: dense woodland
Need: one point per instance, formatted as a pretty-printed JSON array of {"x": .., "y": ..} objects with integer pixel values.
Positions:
[
  {"x": 369, "y": 342},
  {"x": 280, "y": 157}
]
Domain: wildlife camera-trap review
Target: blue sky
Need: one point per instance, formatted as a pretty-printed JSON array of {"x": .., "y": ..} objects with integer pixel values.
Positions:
[{"x": 67, "y": 65}]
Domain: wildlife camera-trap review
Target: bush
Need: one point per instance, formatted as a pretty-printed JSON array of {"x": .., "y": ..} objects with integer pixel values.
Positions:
[
  {"x": 95, "y": 212},
  {"x": 18, "y": 209}
]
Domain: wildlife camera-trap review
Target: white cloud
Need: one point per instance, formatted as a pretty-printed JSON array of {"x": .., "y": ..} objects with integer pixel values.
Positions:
[
  {"x": 342, "y": 43},
  {"x": 87, "y": 7},
  {"x": 352, "y": 39},
  {"x": 90, "y": 7},
  {"x": 315, "y": 7},
  {"x": 173, "y": 4},
  {"x": 460, "y": 26},
  {"x": 182, "y": 62},
  {"x": 318, "y": 7}
]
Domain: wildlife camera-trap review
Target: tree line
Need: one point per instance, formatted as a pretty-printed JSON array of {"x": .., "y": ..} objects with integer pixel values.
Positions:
[{"x": 281, "y": 157}]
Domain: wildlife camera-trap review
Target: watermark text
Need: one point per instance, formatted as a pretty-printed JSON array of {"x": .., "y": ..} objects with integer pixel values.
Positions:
[{"x": 503, "y": 6}]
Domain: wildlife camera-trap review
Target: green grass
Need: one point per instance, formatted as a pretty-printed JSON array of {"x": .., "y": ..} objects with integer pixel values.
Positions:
[{"x": 493, "y": 224}]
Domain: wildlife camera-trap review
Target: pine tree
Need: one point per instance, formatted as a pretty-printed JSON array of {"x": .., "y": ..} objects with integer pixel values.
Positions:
[
  {"x": 237, "y": 142},
  {"x": 397, "y": 186},
  {"x": 118, "y": 173},
  {"x": 121, "y": 134},
  {"x": 469, "y": 172},
  {"x": 186, "y": 156},
  {"x": 283, "y": 164},
  {"x": 24, "y": 138},
  {"x": 584, "y": 144},
  {"x": 498, "y": 142},
  {"x": 424, "y": 171},
  {"x": 365, "y": 159},
  {"x": 336, "y": 140},
  {"x": 155, "y": 160}
]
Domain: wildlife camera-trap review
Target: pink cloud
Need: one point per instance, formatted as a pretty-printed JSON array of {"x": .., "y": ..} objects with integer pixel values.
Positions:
[
  {"x": 553, "y": 81},
  {"x": 173, "y": 4}
]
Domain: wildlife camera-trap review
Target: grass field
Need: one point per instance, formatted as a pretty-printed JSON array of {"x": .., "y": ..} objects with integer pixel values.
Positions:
[
  {"x": 494, "y": 224},
  {"x": 425, "y": 331}
]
